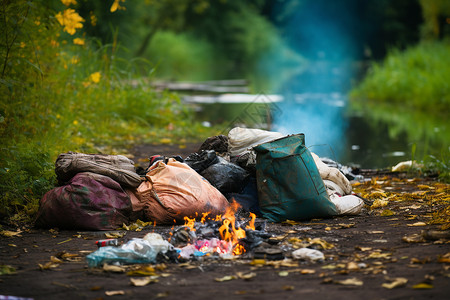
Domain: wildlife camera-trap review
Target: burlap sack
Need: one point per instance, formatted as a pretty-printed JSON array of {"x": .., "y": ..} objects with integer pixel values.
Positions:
[{"x": 174, "y": 190}]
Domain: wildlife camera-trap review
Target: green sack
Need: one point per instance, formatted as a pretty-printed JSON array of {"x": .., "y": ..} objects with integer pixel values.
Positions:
[{"x": 289, "y": 183}]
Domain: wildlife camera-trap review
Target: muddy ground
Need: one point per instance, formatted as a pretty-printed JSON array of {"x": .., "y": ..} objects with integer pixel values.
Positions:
[{"x": 362, "y": 253}]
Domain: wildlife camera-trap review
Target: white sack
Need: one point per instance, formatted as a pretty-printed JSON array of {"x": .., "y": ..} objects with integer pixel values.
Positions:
[
  {"x": 347, "y": 205},
  {"x": 334, "y": 175},
  {"x": 241, "y": 140},
  {"x": 308, "y": 254}
]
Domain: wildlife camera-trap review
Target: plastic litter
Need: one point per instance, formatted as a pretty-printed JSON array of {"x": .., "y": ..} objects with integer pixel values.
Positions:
[
  {"x": 108, "y": 242},
  {"x": 308, "y": 254},
  {"x": 134, "y": 251},
  {"x": 225, "y": 176},
  {"x": 406, "y": 165},
  {"x": 345, "y": 204},
  {"x": 157, "y": 242},
  {"x": 349, "y": 172},
  {"x": 348, "y": 205},
  {"x": 202, "y": 160}
]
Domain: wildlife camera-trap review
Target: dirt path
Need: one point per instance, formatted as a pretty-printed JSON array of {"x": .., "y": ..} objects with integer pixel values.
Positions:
[{"x": 361, "y": 254}]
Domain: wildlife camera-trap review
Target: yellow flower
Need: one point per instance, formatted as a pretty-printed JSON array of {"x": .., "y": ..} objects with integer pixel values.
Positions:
[
  {"x": 74, "y": 60},
  {"x": 95, "y": 77},
  {"x": 70, "y": 19},
  {"x": 69, "y": 2},
  {"x": 78, "y": 41},
  {"x": 75, "y": 122},
  {"x": 93, "y": 18},
  {"x": 116, "y": 5},
  {"x": 54, "y": 43}
]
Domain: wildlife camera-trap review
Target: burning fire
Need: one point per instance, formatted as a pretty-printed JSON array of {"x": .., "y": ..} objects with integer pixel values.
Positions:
[
  {"x": 229, "y": 234},
  {"x": 190, "y": 223},
  {"x": 235, "y": 234}
]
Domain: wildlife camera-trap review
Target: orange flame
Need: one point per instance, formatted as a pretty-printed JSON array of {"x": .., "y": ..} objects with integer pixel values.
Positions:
[
  {"x": 228, "y": 234},
  {"x": 189, "y": 223},
  {"x": 235, "y": 234},
  {"x": 204, "y": 215},
  {"x": 251, "y": 224}
]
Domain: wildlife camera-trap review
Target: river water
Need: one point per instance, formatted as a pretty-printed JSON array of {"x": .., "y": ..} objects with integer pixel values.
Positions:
[
  {"x": 314, "y": 101},
  {"x": 331, "y": 128}
]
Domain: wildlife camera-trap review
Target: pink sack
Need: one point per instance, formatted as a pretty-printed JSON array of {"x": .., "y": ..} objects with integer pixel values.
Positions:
[{"x": 174, "y": 190}]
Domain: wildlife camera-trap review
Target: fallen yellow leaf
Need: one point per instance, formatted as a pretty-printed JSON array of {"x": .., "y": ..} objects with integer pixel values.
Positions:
[
  {"x": 55, "y": 260},
  {"x": 350, "y": 281},
  {"x": 413, "y": 238},
  {"x": 418, "y": 224},
  {"x": 288, "y": 287},
  {"x": 377, "y": 254},
  {"x": 8, "y": 233},
  {"x": 352, "y": 266},
  {"x": 400, "y": 281},
  {"x": 247, "y": 276},
  {"x": 142, "y": 271},
  {"x": 113, "y": 268},
  {"x": 363, "y": 248},
  {"x": 258, "y": 262},
  {"x": 143, "y": 281},
  {"x": 378, "y": 203},
  {"x": 387, "y": 213},
  {"x": 114, "y": 293},
  {"x": 422, "y": 286},
  {"x": 225, "y": 278}
]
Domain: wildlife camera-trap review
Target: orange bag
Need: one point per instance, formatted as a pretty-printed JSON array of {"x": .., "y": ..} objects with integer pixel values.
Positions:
[{"x": 174, "y": 190}]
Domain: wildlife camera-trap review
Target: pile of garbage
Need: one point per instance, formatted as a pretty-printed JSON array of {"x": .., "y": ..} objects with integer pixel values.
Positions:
[
  {"x": 221, "y": 236},
  {"x": 270, "y": 175}
]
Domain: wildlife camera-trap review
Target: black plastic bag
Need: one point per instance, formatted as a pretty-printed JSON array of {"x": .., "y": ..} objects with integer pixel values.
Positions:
[
  {"x": 226, "y": 176},
  {"x": 202, "y": 160}
]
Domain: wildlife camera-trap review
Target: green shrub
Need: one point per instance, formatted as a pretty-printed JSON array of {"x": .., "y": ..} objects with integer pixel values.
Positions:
[
  {"x": 58, "y": 94},
  {"x": 416, "y": 79},
  {"x": 181, "y": 56},
  {"x": 410, "y": 91}
]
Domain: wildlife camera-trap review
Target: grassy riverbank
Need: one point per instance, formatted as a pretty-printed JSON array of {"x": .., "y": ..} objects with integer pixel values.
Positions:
[
  {"x": 415, "y": 79},
  {"x": 410, "y": 91}
]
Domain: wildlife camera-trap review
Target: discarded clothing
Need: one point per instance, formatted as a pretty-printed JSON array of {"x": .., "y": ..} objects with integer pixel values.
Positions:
[
  {"x": 117, "y": 167},
  {"x": 89, "y": 201}
]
